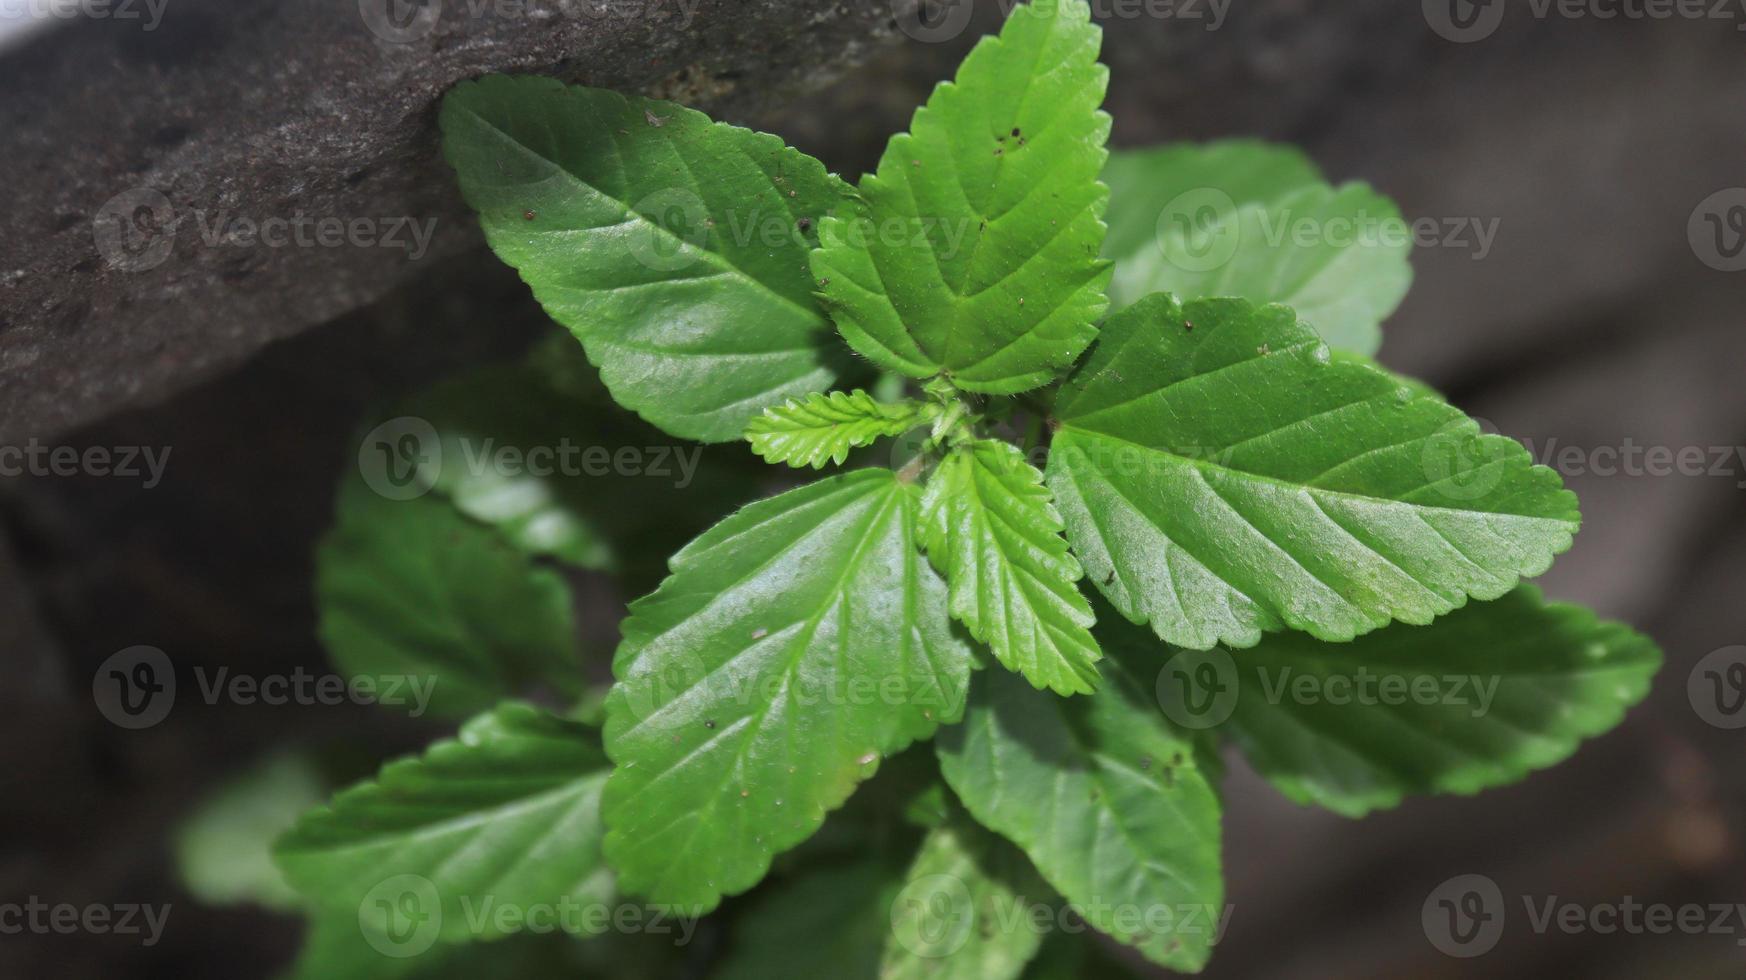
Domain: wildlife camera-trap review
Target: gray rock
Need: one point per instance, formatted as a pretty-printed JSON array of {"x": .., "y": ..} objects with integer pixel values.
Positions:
[{"x": 144, "y": 156}]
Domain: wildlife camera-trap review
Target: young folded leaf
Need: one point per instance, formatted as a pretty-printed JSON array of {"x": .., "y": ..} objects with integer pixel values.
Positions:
[
  {"x": 1256, "y": 221},
  {"x": 673, "y": 247},
  {"x": 1222, "y": 475},
  {"x": 975, "y": 254},
  {"x": 1480, "y": 698},
  {"x": 821, "y": 428},
  {"x": 989, "y": 525},
  {"x": 507, "y": 813},
  {"x": 795, "y": 645},
  {"x": 1112, "y": 804}
]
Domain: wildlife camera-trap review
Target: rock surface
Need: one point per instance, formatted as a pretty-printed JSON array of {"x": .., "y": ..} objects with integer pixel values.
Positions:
[{"x": 170, "y": 177}]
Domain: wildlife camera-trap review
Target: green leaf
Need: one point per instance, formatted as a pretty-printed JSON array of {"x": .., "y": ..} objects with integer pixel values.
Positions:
[
  {"x": 505, "y": 816},
  {"x": 483, "y": 414},
  {"x": 1222, "y": 475},
  {"x": 795, "y": 644},
  {"x": 1477, "y": 699},
  {"x": 224, "y": 849},
  {"x": 673, "y": 247},
  {"x": 989, "y": 524},
  {"x": 820, "y": 428},
  {"x": 965, "y": 910},
  {"x": 1109, "y": 801},
  {"x": 975, "y": 253},
  {"x": 1256, "y": 221},
  {"x": 830, "y": 920},
  {"x": 414, "y": 595}
]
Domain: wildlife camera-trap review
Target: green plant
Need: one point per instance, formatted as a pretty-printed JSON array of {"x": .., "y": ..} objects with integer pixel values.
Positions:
[{"x": 1130, "y": 404}]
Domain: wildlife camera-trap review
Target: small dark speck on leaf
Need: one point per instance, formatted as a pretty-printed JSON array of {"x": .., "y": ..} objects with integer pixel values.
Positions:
[
  {"x": 1188, "y": 325},
  {"x": 1145, "y": 762},
  {"x": 709, "y": 724},
  {"x": 826, "y": 281},
  {"x": 1176, "y": 760},
  {"x": 529, "y": 214},
  {"x": 805, "y": 223},
  {"x": 1015, "y": 131},
  {"x": 1107, "y": 579}
]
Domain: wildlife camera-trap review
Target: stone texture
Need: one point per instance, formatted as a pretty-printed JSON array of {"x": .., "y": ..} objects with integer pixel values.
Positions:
[{"x": 239, "y": 111}]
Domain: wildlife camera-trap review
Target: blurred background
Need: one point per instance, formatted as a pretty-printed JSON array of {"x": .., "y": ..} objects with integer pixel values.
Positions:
[{"x": 1600, "y": 316}]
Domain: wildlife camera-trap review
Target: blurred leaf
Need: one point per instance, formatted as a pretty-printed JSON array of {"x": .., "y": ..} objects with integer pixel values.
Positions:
[
  {"x": 1481, "y": 697},
  {"x": 225, "y": 847},
  {"x": 1256, "y": 221},
  {"x": 505, "y": 818},
  {"x": 413, "y": 594}
]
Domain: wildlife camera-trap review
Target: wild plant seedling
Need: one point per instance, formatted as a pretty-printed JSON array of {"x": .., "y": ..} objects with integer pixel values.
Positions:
[{"x": 1150, "y": 496}]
